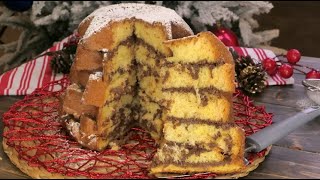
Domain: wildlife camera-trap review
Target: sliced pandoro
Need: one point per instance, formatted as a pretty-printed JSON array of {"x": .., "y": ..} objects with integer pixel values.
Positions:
[
  {"x": 199, "y": 147},
  {"x": 119, "y": 85},
  {"x": 149, "y": 50},
  {"x": 199, "y": 130},
  {"x": 198, "y": 61},
  {"x": 146, "y": 55}
]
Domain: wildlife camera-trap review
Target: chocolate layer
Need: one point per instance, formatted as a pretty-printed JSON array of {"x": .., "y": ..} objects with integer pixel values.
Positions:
[
  {"x": 122, "y": 71},
  {"x": 166, "y": 77},
  {"x": 121, "y": 122},
  {"x": 201, "y": 91},
  {"x": 192, "y": 150},
  {"x": 178, "y": 121},
  {"x": 120, "y": 91},
  {"x": 193, "y": 68},
  {"x": 148, "y": 72},
  {"x": 150, "y": 48}
]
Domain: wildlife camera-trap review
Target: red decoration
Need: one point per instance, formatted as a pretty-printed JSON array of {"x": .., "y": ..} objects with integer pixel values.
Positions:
[
  {"x": 228, "y": 37},
  {"x": 33, "y": 129},
  {"x": 293, "y": 56},
  {"x": 270, "y": 66},
  {"x": 285, "y": 70},
  {"x": 313, "y": 74}
]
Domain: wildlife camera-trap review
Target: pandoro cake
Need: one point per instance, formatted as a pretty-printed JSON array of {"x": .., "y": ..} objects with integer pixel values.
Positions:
[{"x": 141, "y": 65}]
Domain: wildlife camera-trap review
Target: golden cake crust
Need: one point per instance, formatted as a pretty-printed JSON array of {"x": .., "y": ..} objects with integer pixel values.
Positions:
[
  {"x": 72, "y": 103},
  {"x": 87, "y": 59},
  {"x": 94, "y": 91}
]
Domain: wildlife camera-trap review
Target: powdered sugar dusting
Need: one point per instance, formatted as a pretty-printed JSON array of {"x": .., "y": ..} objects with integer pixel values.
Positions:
[
  {"x": 73, "y": 127},
  {"x": 95, "y": 76},
  {"x": 74, "y": 87},
  {"x": 92, "y": 139},
  {"x": 148, "y": 13}
]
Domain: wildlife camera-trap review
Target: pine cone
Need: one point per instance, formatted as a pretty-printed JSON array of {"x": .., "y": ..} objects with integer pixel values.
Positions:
[
  {"x": 61, "y": 63},
  {"x": 250, "y": 76},
  {"x": 252, "y": 79},
  {"x": 63, "y": 59}
]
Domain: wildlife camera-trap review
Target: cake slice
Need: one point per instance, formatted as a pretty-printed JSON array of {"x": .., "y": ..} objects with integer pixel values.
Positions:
[{"x": 199, "y": 133}]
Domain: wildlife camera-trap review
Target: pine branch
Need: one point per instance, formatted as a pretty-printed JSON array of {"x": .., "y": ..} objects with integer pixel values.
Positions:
[
  {"x": 5, "y": 59},
  {"x": 5, "y": 12},
  {"x": 18, "y": 22},
  {"x": 23, "y": 38},
  {"x": 12, "y": 60},
  {"x": 9, "y": 47}
]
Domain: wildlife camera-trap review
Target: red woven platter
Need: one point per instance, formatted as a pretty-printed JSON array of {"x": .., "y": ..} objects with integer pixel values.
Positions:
[{"x": 37, "y": 143}]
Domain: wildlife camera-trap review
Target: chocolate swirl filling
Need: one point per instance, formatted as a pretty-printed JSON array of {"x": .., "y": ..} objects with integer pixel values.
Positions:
[
  {"x": 189, "y": 150},
  {"x": 203, "y": 92},
  {"x": 194, "y": 68},
  {"x": 178, "y": 121}
]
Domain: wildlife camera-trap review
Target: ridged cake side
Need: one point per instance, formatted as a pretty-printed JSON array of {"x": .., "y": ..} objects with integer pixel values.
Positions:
[
  {"x": 127, "y": 51},
  {"x": 111, "y": 92}
]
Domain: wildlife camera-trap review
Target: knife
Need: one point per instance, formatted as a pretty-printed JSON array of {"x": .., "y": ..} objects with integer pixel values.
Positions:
[{"x": 276, "y": 131}]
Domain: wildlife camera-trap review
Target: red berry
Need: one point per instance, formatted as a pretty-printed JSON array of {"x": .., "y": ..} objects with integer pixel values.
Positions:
[
  {"x": 270, "y": 66},
  {"x": 272, "y": 72},
  {"x": 285, "y": 70},
  {"x": 293, "y": 56},
  {"x": 313, "y": 74}
]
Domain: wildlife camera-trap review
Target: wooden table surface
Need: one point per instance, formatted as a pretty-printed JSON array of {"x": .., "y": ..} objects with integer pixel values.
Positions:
[{"x": 295, "y": 156}]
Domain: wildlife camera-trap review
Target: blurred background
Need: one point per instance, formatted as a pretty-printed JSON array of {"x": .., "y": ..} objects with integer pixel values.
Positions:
[
  {"x": 299, "y": 25},
  {"x": 27, "y": 28}
]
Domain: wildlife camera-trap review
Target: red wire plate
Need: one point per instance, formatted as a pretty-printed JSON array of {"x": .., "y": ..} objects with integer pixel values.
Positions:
[{"x": 34, "y": 131}]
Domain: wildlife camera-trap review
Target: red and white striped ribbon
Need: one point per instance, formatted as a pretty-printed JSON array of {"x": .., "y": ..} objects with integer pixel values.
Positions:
[
  {"x": 31, "y": 75},
  {"x": 36, "y": 73}
]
